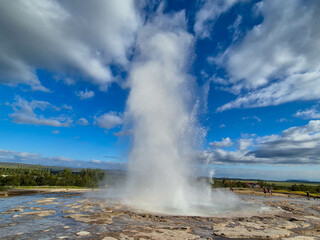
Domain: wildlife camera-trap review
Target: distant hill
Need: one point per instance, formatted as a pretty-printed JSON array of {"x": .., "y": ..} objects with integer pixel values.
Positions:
[{"x": 301, "y": 181}]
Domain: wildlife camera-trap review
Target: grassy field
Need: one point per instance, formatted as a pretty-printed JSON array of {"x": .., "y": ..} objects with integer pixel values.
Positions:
[
  {"x": 279, "y": 183},
  {"x": 289, "y": 184}
]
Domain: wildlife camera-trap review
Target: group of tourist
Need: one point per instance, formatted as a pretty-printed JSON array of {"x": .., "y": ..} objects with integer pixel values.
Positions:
[{"x": 267, "y": 190}]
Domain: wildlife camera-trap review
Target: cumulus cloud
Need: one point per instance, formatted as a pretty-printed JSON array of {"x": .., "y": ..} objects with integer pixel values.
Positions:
[
  {"x": 220, "y": 156},
  {"x": 231, "y": 157},
  {"x": 209, "y": 13},
  {"x": 300, "y": 86},
  {"x": 296, "y": 145},
  {"x": 66, "y": 37},
  {"x": 282, "y": 64},
  {"x": 24, "y": 113},
  {"x": 108, "y": 120},
  {"x": 36, "y": 158},
  {"x": 243, "y": 144},
  {"x": 85, "y": 94},
  {"x": 82, "y": 122},
  {"x": 311, "y": 113},
  {"x": 226, "y": 142}
]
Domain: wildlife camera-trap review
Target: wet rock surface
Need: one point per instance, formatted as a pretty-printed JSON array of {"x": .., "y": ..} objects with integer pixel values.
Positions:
[
  {"x": 72, "y": 216},
  {"x": 37, "y": 213}
]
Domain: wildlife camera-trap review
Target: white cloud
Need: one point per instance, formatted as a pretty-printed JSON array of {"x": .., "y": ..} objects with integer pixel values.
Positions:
[
  {"x": 311, "y": 113},
  {"x": 209, "y": 13},
  {"x": 296, "y": 145},
  {"x": 96, "y": 161},
  {"x": 108, "y": 120},
  {"x": 220, "y": 156},
  {"x": 66, "y": 107},
  {"x": 24, "y": 113},
  {"x": 222, "y": 126},
  {"x": 82, "y": 122},
  {"x": 253, "y": 117},
  {"x": 65, "y": 37},
  {"x": 226, "y": 142},
  {"x": 248, "y": 135},
  {"x": 85, "y": 94},
  {"x": 304, "y": 86},
  {"x": 56, "y": 132},
  {"x": 243, "y": 144},
  {"x": 235, "y": 28},
  {"x": 36, "y": 158},
  {"x": 283, "y": 47}
]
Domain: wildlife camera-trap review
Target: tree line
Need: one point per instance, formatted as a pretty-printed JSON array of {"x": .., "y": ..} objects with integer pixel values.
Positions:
[
  {"x": 227, "y": 183},
  {"x": 304, "y": 188},
  {"x": 36, "y": 175},
  {"x": 293, "y": 187}
]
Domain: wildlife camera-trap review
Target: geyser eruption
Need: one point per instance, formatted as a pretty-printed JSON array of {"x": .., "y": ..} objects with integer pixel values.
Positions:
[
  {"x": 161, "y": 106},
  {"x": 161, "y": 116}
]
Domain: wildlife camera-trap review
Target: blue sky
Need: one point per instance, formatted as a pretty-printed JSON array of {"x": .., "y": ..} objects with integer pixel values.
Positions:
[{"x": 65, "y": 80}]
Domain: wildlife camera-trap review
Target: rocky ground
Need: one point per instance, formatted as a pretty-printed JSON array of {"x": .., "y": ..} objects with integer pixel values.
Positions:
[{"x": 287, "y": 218}]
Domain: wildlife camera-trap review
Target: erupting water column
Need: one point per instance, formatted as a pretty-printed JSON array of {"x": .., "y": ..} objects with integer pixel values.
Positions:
[{"x": 160, "y": 106}]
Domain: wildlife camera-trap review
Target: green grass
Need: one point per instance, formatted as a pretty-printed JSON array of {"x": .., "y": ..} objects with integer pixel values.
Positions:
[
  {"x": 4, "y": 188},
  {"x": 284, "y": 184}
]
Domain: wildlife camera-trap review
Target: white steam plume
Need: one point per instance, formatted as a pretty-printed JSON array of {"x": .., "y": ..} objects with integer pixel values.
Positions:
[
  {"x": 163, "y": 106},
  {"x": 158, "y": 105}
]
